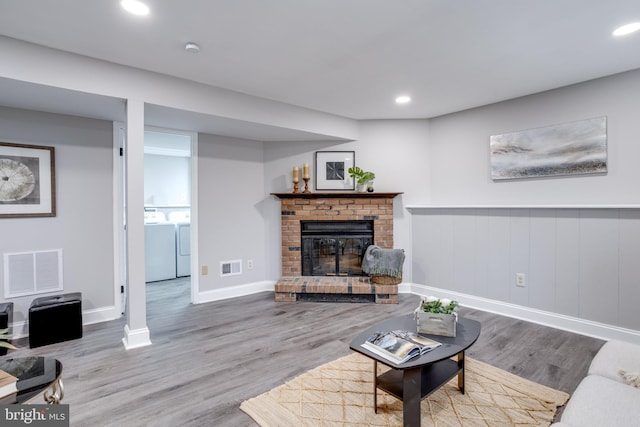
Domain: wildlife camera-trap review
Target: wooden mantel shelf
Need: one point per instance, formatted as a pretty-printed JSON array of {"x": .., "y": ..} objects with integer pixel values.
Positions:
[{"x": 335, "y": 195}]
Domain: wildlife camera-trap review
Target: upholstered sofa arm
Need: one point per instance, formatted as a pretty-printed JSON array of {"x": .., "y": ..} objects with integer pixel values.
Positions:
[
  {"x": 604, "y": 398},
  {"x": 614, "y": 356}
]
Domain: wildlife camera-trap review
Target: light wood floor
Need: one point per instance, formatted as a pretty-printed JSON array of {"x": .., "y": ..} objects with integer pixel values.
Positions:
[{"x": 206, "y": 359}]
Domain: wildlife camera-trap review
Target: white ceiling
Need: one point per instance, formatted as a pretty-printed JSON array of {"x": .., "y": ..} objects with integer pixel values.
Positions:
[{"x": 349, "y": 57}]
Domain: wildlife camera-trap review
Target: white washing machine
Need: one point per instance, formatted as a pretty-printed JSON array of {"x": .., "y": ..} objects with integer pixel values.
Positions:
[
  {"x": 183, "y": 249},
  {"x": 160, "y": 252}
]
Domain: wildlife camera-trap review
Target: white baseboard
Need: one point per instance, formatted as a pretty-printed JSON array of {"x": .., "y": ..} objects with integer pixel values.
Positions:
[
  {"x": 404, "y": 288},
  {"x": 234, "y": 291},
  {"x": 554, "y": 320},
  {"x": 19, "y": 329},
  {"x": 135, "y": 338},
  {"x": 98, "y": 315}
]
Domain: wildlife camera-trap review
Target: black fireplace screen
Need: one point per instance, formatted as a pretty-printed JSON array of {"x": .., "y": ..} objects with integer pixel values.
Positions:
[{"x": 334, "y": 248}]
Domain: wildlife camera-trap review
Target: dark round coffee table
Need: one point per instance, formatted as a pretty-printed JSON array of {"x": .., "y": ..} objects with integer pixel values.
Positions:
[
  {"x": 36, "y": 375},
  {"x": 417, "y": 378}
]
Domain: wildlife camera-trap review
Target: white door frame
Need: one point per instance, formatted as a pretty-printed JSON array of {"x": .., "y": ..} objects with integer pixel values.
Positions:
[
  {"x": 119, "y": 235},
  {"x": 119, "y": 232},
  {"x": 195, "y": 285}
]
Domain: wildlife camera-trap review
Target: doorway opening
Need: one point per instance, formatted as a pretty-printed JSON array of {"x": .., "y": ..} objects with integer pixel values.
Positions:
[
  {"x": 169, "y": 200},
  {"x": 167, "y": 204}
]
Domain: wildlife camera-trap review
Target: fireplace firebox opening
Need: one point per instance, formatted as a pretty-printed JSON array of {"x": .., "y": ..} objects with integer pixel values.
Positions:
[{"x": 334, "y": 248}]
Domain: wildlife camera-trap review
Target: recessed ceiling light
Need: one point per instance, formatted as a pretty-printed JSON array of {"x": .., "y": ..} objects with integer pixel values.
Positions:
[
  {"x": 403, "y": 99},
  {"x": 627, "y": 29},
  {"x": 135, "y": 7},
  {"x": 192, "y": 47}
]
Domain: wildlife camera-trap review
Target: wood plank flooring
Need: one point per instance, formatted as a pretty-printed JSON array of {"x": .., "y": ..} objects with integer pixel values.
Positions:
[{"x": 206, "y": 359}]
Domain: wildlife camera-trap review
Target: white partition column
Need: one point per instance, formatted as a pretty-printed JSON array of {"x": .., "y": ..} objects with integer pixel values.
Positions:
[{"x": 136, "y": 332}]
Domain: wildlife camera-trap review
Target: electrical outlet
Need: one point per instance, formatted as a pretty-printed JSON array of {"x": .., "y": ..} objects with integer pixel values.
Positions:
[
  {"x": 250, "y": 264},
  {"x": 205, "y": 270},
  {"x": 521, "y": 280}
]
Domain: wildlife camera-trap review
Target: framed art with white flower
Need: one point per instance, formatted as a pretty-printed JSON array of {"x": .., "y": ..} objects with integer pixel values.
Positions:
[
  {"x": 27, "y": 180},
  {"x": 332, "y": 170}
]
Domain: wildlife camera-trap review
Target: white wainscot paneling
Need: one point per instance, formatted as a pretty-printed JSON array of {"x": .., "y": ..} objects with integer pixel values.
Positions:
[
  {"x": 542, "y": 259},
  {"x": 599, "y": 274},
  {"x": 567, "y": 263},
  {"x": 629, "y": 269},
  {"x": 578, "y": 262},
  {"x": 519, "y": 250},
  {"x": 464, "y": 245},
  {"x": 498, "y": 255}
]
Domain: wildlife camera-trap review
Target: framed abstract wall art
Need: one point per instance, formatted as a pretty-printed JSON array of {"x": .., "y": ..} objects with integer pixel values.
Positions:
[
  {"x": 570, "y": 148},
  {"x": 27, "y": 180},
  {"x": 332, "y": 170}
]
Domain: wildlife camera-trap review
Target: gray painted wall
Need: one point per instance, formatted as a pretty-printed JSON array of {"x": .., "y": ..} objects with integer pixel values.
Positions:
[
  {"x": 231, "y": 209},
  {"x": 83, "y": 226},
  {"x": 579, "y": 262},
  {"x": 166, "y": 180},
  {"x": 459, "y": 143}
]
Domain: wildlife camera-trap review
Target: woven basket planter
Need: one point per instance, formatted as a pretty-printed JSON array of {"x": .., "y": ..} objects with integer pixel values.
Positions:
[{"x": 385, "y": 280}]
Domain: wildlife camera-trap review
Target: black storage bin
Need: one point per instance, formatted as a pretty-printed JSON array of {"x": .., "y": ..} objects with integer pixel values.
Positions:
[
  {"x": 55, "y": 319},
  {"x": 6, "y": 319}
]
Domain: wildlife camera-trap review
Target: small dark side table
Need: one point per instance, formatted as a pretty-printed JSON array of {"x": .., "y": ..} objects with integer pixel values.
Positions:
[{"x": 417, "y": 378}]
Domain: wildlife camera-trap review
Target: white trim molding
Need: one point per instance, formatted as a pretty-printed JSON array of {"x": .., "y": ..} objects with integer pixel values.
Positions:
[
  {"x": 554, "y": 320},
  {"x": 136, "y": 338},
  {"x": 404, "y": 288},
  {"x": 102, "y": 314},
  {"x": 235, "y": 291},
  {"x": 592, "y": 206}
]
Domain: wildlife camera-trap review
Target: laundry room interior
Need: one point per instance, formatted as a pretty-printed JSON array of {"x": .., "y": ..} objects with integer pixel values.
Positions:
[{"x": 167, "y": 205}]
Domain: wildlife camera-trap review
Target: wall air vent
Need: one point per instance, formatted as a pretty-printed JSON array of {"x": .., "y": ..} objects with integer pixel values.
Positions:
[
  {"x": 30, "y": 273},
  {"x": 230, "y": 268}
]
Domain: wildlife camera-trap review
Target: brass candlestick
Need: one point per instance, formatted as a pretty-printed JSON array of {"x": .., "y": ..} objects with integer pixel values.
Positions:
[
  {"x": 295, "y": 186},
  {"x": 306, "y": 185}
]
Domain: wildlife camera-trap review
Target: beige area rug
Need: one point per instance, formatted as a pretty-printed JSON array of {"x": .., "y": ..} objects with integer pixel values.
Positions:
[{"x": 340, "y": 393}]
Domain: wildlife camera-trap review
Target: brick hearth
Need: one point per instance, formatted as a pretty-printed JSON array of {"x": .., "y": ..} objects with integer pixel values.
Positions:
[{"x": 377, "y": 207}]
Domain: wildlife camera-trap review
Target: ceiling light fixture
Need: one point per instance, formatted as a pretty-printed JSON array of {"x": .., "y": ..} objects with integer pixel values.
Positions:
[
  {"x": 135, "y": 7},
  {"x": 403, "y": 99},
  {"x": 192, "y": 47},
  {"x": 627, "y": 29}
]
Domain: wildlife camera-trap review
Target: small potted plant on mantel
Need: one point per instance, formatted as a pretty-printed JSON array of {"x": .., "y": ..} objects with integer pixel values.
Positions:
[
  {"x": 363, "y": 178},
  {"x": 437, "y": 316}
]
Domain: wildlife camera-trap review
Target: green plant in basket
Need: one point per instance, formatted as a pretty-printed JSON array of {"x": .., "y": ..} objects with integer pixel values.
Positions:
[{"x": 432, "y": 304}]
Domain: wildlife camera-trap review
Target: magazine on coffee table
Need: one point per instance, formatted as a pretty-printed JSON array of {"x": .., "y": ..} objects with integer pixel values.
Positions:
[{"x": 399, "y": 346}]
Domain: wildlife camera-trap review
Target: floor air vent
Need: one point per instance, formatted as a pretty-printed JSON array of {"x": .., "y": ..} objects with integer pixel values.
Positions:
[{"x": 230, "y": 268}]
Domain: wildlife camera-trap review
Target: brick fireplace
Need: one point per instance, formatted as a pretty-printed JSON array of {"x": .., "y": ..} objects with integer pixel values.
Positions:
[{"x": 298, "y": 207}]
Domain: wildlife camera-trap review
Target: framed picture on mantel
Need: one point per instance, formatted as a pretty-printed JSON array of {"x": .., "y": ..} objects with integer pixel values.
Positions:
[{"x": 332, "y": 170}]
